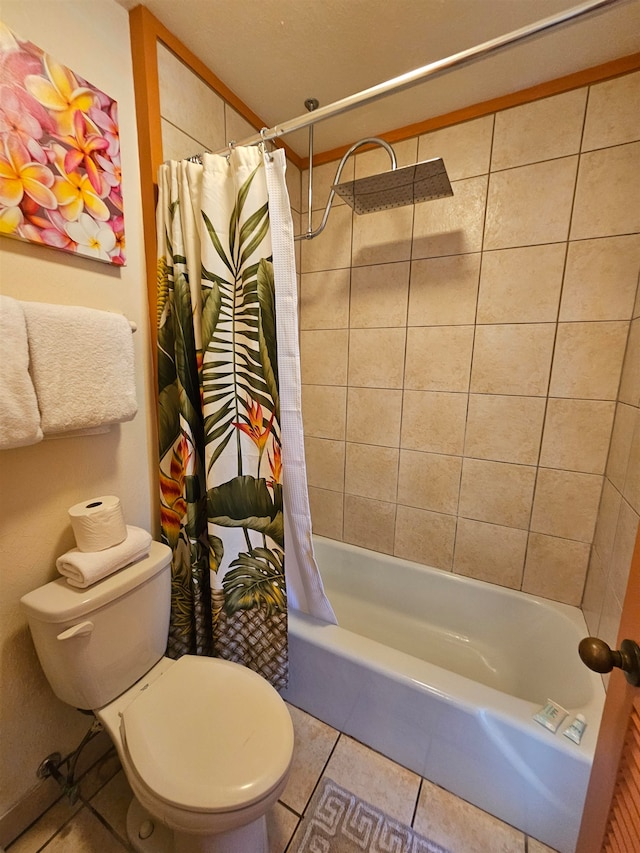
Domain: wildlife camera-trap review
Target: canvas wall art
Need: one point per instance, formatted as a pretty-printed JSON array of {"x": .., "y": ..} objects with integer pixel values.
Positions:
[{"x": 60, "y": 180}]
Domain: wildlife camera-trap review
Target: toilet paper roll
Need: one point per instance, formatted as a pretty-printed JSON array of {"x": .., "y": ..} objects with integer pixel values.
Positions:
[{"x": 98, "y": 523}]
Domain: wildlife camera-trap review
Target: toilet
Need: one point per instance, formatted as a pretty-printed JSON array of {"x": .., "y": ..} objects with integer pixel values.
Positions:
[{"x": 206, "y": 744}]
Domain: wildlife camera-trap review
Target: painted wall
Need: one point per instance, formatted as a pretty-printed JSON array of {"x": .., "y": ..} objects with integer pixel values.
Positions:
[
  {"x": 39, "y": 483},
  {"x": 462, "y": 359}
]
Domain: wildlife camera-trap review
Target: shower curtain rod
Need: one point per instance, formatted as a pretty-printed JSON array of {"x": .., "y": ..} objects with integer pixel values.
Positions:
[{"x": 411, "y": 78}]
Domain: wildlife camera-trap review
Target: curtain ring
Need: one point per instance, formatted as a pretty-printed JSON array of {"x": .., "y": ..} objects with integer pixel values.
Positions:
[{"x": 263, "y": 144}]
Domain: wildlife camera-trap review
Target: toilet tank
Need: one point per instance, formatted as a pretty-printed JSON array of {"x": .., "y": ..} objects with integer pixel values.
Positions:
[{"x": 94, "y": 643}]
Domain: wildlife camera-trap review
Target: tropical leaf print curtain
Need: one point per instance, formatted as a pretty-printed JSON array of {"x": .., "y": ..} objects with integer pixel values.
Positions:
[{"x": 219, "y": 413}]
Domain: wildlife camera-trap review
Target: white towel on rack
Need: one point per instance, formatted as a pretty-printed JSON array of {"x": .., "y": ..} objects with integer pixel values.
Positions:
[
  {"x": 19, "y": 415},
  {"x": 83, "y": 568},
  {"x": 82, "y": 366}
]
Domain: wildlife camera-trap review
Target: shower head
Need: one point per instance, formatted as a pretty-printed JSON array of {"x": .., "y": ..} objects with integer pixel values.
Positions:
[{"x": 421, "y": 182}]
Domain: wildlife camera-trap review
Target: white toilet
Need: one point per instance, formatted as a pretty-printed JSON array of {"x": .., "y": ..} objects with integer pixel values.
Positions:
[{"x": 206, "y": 744}]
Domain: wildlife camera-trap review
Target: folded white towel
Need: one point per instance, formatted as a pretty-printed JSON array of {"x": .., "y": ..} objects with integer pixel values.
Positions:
[
  {"x": 83, "y": 568},
  {"x": 82, "y": 366},
  {"x": 19, "y": 415}
]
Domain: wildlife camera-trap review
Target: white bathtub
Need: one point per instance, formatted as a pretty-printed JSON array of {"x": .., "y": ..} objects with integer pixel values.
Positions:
[{"x": 443, "y": 674}]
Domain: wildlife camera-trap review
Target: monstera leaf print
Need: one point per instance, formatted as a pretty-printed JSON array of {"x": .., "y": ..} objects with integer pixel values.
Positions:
[
  {"x": 256, "y": 579},
  {"x": 246, "y": 502}
]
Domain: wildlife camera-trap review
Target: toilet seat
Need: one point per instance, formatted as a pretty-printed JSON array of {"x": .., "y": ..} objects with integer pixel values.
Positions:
[{"x": 208, "y": 736}]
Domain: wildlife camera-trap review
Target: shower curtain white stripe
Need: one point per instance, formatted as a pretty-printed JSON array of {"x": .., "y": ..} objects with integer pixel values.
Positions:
[{"x": 304, "y": 584}]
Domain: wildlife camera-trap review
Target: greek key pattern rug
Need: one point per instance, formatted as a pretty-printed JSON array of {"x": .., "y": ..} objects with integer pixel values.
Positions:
[{"x": 337, "y": 821}]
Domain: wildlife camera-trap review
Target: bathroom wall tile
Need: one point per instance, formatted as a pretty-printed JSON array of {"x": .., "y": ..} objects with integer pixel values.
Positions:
[
  {"x": 323, "y": 179},
  {"x": 373, "y": 416},
  {"x": 177, "y": 145},
  {"x": 425, "y": 537},
  {"x": 613, "y": 114},
  {"x": 465, "y": 148},
  {"x": 112, "y": 802},
  {"x": 451, "y": 226},
  {"x": 444, "y": 291},
  {"x": 324, "y": 300},
  {"x": 237, "y": 128},
  {"x": 438, "y": 358},
  {"x": 521, "y": 285},
  {"x": 323, "y": 356},
  {"x": 189, "y": 103},
  {"x": 490, "y": 552},
  {"x": 556, "y": 568},
  {"x": 379, "y": 295},
  {"x": 325, "y": 463},
  {"x": 332, "y": 248},
  {"x": 512, "y": 359},
  {"x": 458, "y": 826},
  {"x": 621, "y": 441},
  {"x": 630, "y": 382},
  {"x": 504, "y": 429},
  {"x": 371, "y": 472},
  {"x": 534, "y": 846},
  {"x": 607, "y": 522},
  {"x": 324, "y": 411},
  {"x": 497, "y": 492},
  {"x": 566, "y": 504},
  {"x": 314, "y": 741},
  {"x": 576, "y": 435},
  {"x": 376, "y": 357},
  {"x": 383, "y": 237},
  {"x": 588, "y": 360},
  {"x": 601, "y": 279},
  {"x": 631, "y": 490},
  {"x": 433, "y": 421},
  {"x": 369, "y": 523},
  {"x": 530, "y": 204},
  {"x": 429, "y": 481},
  {"x": 607, "y": 193},
  {"x": 377, "y": 159},
  {"x": 326, "y": 512},
  {"x": 594, "y": 591},
  {"x": 623, "y": 545},
  {"x": 540, "y": 130},
  {"x": 609, "y": 621}
]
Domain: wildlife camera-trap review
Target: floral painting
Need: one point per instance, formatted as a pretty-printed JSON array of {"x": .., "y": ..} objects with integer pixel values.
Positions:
[{"x": 60, "y": 180}]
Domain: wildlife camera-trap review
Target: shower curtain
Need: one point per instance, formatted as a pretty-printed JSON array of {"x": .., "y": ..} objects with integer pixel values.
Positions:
[{"x": 232, "y": 473}]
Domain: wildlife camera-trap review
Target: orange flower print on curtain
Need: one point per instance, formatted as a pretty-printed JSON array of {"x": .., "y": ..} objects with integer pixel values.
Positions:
[{"x": 60, "y": 180}]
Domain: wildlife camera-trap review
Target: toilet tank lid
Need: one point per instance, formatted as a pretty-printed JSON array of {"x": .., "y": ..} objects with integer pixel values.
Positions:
[{"x": 58, "y": 601}]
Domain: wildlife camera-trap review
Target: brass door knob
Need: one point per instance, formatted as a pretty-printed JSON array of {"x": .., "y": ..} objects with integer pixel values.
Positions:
[{"x": 597, "y": 655}]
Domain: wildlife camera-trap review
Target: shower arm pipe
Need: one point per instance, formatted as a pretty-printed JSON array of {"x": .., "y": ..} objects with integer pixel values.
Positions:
[{"x": 433, "y": 69}]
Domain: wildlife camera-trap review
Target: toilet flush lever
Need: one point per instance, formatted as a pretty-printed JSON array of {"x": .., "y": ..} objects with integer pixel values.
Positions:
[{"x": 78, "y": 630}]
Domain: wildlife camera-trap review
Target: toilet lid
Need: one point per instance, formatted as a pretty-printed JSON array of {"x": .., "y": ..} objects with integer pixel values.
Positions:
[{"x": 209, "y": 735}]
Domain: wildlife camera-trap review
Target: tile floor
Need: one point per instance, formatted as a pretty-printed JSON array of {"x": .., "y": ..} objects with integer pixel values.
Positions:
[{"x": 96, "y": 822}]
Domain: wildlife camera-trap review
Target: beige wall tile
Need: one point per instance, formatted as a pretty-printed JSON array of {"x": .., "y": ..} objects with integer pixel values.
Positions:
[
  {"x": 238, "y": 128},
  {"x": 512, "y": 359},
  {"x": 323, "y": 357},
  {"x": 497, "y": 492},
  {"x": 540, "y": 130},
  {"x": 588, "y": 360},
  {"x": 438, "y": 358},
  {"x": 630, "y": 381},
  {"x": 566, "y": 504},
  {"x": 594, "y": 590},
  {"x": 489, "y": 552},
  {"x": 379, "y": 295},
  {"x": 607, "y": 522},
  {"x": 623, "y": 545},
  {"x": 451, "y": 226},
  {"x": 324, "y": 411},
  {"x": 613, "y": 114},
  {"x": 504, "y": 429},
  {"x": 332, "y": 248},
  {"x": 609, "y": 621},
  {"x": 371, "y": 472},
  {"x": 369, "y": 523},
  {"x": 324, "y": 299},
  {"x": 601, "y": 279},
  {"x": 177, "y": 145},
  {"x": 631, "y": 491},
  {"x": 444, "y": 291},
  {"x": 465, "y": 148},
  {"x": 373, "y": 416},
  {"x": 377, "y": 160},
  {"x": 521, "y": 285},
  {"x": 325, "y": 463},
  {"x": 326, "y": 509},
  {"x": 576, "y": 435},
  {"x": 376, "y": 357},
  {"x": 621, "y": 441},
  {"x": 607, "y": 193},
  {"x": 381, "y": 238},
  {"x": 433, "y": 421},
  {"x": 556, "y": 568},
  {"x": 323, "y": 179},
  {"x": 425, "y": 537},
  {"x": 429, "y": 481},
  {"x": 530, "y": 204}
]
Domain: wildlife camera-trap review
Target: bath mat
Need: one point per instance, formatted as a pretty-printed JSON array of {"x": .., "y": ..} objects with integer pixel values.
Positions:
[{"x": 336, "y": 821}]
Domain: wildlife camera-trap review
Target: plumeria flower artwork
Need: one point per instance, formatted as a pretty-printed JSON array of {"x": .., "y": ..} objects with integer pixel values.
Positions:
[{"x": 60, "y": 178}]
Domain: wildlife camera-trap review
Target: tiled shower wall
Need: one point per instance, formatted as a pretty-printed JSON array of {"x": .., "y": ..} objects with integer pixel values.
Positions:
[{"x": 462, "y": 359}]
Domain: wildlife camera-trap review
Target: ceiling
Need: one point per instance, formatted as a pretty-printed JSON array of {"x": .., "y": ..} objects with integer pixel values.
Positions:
[{"x": 276, "y": 53}]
